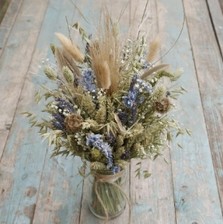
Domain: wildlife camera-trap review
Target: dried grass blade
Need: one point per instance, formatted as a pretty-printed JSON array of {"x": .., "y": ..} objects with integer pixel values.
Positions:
[
  {"x": 154, "y": 69},
  {"x": 119, "y": 123}
]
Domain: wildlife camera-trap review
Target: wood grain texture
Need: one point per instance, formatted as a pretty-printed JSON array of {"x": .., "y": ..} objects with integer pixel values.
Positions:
[
  {"x": 221, "y": 4},
  {"x": 16, "y": 58},
  {"x": 21, "y": 162},
  {"x": 209, "y": 69},
  {"x": 37, "y": 189},
  {"x": 59, "y": 198},
  {"x": 8, "y": 21},
  {"x": 3, "y": 8},
  {"x": 3, "y": 138},
  {"x": 217, "y": 21},
  {"x": 195, "y": 190}
]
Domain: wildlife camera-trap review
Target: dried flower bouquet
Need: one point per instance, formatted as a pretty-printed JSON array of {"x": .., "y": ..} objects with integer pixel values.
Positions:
[{"x": 111, "y": 103}]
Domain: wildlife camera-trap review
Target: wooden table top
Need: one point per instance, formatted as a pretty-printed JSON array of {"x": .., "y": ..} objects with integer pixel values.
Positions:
[{"x": 35, "y": 188}]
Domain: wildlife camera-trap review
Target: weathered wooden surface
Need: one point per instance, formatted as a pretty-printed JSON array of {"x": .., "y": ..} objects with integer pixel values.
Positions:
[
  {"x": 209, "y": 69},
  {"x": 187, "y": 189},
  {"x": 195, "y": 191},
  {"x": 3, "y": 8}
]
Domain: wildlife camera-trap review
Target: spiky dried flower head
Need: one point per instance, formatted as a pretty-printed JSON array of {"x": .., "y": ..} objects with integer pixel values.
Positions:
[
  {"x": 162, "y": 106},
  {"x": 73, "y": 122},
  {"x": 50, "y": 73},
  {"x": 70, "y": 47},
  {"x": 96, "y": 155}
]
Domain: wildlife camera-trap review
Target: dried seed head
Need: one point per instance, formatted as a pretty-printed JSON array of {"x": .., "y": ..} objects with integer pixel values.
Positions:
[
  {"x": 163, "y": 106},
  {"x": 70, "y": 47},
  {"x": 73, "y": 122},
  {"x": 103, "y": 75}
]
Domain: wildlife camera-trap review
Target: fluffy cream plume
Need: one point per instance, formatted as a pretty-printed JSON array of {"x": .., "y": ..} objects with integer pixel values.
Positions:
[
  {"x": 103, "y": 75},
  {"x": 153, "y": 49},
  {"x": 70, "y": 47},
  {"x": 65, "y": 59}
]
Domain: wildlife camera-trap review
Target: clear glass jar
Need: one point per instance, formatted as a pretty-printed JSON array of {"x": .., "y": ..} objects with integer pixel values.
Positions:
[{"x": 106, "y": 194}]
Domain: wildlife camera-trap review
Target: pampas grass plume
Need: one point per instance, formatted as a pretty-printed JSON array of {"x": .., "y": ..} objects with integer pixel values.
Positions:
[{"x": 103, "y": 75}]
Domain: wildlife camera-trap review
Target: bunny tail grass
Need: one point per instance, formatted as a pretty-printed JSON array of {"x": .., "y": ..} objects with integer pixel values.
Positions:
[{"x": 70, "y": 47}]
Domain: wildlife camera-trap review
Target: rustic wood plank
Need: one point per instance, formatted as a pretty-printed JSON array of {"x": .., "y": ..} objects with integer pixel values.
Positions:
[
  {"x": 59, "y": 198},
  {"x": 3, "y": 139},
  {"x": 3, "y": 8},
  {"x": 195, "y": 190},
  {"x": 221, "y": 4},
  {"x": 20, "y": 176},
  {"x": 13, "y": 67},
  {"x": 152, "y": 198},
  {"x": 217, "y": 21},
  {"x": 7, "y": 23},
  {"x": 20, "y": 166},
  {"x": 23, "y": 199},
  {"x": 209, "y": 69}
]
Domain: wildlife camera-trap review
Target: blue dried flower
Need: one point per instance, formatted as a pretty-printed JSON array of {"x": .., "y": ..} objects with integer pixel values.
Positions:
[
  {"x": 146, "y": 65},
  {"x": 115, "y": 169},
  {"x": 64, "y": 105},
  {"x": 143, "y": 86},
  {"x": 96, "y": 141},
  {"x": 58, "y": 125},
  {"x": 59, "y": 117},
  {"x": 63, "y": 108},
  {"x": 88, "y": 80},
  {"x": 130, "y": 99},
  {"x": 123, "y": 116},
  {"x": 135, "y": 97},
  {"x": 126, "y": 155}
]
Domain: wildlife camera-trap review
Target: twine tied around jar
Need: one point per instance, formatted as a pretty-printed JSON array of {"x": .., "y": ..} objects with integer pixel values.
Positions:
[{"x": 111, "y": 180}]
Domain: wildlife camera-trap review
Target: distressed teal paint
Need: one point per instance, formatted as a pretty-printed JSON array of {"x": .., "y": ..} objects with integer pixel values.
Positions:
[
  {"x": 195, "y": 189},
  {"x": 48, "y": 187},
  {"x": 17, "y": 204},
  {"x": 8, "y": 21}
]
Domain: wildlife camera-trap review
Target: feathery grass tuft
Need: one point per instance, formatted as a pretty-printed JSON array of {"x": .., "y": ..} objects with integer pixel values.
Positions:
[
  {"x": 103, "y": 74},
  {"x": 154, "y": 47},
  {"x": 106, "y": 50},
  {"x": 70, "y": 47}
]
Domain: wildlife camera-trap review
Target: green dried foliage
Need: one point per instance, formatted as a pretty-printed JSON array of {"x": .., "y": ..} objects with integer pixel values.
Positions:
[
  {"x": 101, "y": 114},
  {"x": 98, "y": 166},
  {"x": 50, "y": 73},
  {"x": 87, "y": 105},
  {"x": 68, "y": 75}
]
